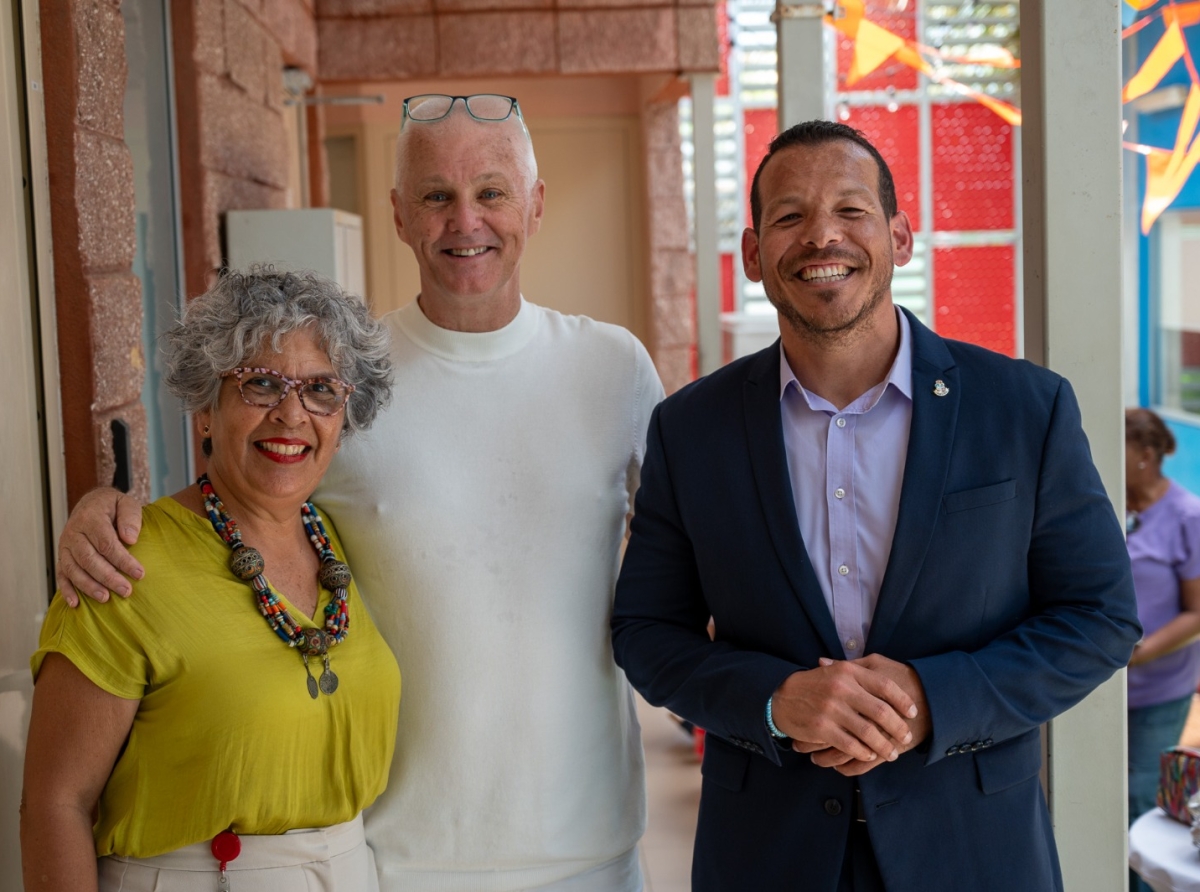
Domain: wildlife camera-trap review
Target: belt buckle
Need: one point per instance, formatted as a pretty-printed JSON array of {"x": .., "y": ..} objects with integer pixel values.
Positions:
[{"x": 860, "y": 810}]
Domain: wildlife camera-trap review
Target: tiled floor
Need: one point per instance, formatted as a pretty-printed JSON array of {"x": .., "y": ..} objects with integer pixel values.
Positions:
[{"x": 673, "y": 791}]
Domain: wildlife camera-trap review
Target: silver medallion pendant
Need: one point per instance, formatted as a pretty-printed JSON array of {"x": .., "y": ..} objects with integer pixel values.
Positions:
[
  {"x": 312, "y": 682},
  {"x": 329, "y": 680}
]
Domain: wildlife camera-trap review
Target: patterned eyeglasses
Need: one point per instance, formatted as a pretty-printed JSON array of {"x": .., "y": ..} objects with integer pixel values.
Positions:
[
  {"x": 266, "y": 388},
  {"x": 486, "y": 107}
]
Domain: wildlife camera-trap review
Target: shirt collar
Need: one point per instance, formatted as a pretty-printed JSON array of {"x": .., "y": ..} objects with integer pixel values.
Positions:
[{"x": 899, "y": 376}]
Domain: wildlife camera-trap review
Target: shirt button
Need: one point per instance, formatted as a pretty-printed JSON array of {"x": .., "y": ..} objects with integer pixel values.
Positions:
[
  {"x": 843, "y": 569},
  {"x": 851, "y": 644},
  {"x": 841, "y": 422},
  {"x": 839, "y": 493}
]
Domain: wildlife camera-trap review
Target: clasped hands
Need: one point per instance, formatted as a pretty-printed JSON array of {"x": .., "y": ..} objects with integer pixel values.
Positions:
[{"x": 853, "y": 715}]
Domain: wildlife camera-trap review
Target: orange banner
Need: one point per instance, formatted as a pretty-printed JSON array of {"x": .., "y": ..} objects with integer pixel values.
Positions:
[
  {"x": 873, "y": 46},
  {"x": 1162, "y": 58},
  {"x": 1183, "y": 13},
  {"x": 852, "y": 13},
  {"x": 1187, "y": 127},
  {"x": 1161, "y": 186},
  {"x": 1167, "y": 172}
]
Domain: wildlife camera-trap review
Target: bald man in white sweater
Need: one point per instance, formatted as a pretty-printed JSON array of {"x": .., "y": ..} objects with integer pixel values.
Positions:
[{"x": 483, "y": 516}]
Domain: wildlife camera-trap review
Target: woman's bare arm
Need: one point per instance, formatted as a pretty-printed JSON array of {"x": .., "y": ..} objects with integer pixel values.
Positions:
[
  {"x": 76, "y": 731},
  {"x": 1179, "y": 632}
]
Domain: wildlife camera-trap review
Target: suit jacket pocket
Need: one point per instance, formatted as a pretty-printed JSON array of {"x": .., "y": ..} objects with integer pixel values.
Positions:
[
  {"x": 980, "y": 496},
  {"x": 723, "y": 765},
  {"x": 1010, "y": 763}
]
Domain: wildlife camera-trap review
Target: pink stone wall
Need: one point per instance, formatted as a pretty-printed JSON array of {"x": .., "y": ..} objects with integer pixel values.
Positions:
[
  {"x": 672, "y": 309},
  {"x": 233, "y": 150},
  {"x": 98, "y": 299},
  {"x": 373, "y": 40}
]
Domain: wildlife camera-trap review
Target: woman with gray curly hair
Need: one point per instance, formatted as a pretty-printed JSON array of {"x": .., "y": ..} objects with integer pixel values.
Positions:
[{"x": 177, "y": 740}]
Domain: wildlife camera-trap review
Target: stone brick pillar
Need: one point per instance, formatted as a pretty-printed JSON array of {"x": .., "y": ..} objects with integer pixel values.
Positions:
[
  {"x": 229, "y": 60},
  {"x": 98, "y": 298},
  {"x": 672, "y": 266}
]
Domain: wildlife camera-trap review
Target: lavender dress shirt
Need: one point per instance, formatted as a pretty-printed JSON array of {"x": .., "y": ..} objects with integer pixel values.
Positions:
[{"x": 846, "y": 468}]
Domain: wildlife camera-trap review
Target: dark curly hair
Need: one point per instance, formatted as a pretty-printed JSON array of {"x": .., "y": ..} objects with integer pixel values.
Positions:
[{"x": 1145, "y": 429}]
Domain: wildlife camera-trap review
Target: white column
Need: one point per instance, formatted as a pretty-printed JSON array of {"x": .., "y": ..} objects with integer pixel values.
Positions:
[
  {"x": 1071, "y": 182},
  {"x": 708, "y": 270},
  {"x": 32, "y": 467},
  {"x": 800, "y": 53}
]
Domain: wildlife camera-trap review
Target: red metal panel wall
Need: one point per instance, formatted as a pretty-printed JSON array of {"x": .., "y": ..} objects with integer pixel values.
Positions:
[
  {"x": 896, "y": 136},
  {"x": 973, "y": 292},
  {"x": 759, "y": 128},
  {"x": 972, "y": 168},
  {"x": 891, "y": 73},
  {"x": 728, "y": 303}
]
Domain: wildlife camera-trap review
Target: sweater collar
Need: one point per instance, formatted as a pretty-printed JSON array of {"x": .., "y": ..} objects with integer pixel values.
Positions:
[{"x": 468, "y": 346}]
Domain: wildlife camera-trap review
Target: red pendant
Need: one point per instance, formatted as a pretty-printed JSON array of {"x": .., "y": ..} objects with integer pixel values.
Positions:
[{"x": 226, "y": 846}]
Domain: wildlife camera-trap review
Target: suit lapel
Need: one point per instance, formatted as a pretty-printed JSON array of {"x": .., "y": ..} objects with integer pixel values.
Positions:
[
  {"x": 930, "y": 440},
  {"x": 764, "y": 437}
]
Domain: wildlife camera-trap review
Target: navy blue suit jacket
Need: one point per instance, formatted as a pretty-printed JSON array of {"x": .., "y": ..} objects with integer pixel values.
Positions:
[{"x": 1008, "y": 590}]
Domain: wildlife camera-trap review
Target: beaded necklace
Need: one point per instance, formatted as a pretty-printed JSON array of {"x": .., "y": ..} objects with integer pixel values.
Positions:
[{"x": 247, "y": 565}]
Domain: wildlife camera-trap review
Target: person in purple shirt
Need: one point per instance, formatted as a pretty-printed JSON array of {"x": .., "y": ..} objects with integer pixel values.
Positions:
[
  {"x": 907, "y": 554},
  {"x": 1162, "y": 523}
]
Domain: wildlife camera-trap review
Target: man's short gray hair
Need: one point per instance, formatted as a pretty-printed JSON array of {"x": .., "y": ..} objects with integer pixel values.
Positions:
[
  {"x": 222, "y": 328},
  {"x": 527, "y": 156}
]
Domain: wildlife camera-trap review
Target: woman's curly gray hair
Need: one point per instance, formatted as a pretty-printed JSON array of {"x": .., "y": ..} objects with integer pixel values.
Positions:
[{"x": 222, "y": 328}]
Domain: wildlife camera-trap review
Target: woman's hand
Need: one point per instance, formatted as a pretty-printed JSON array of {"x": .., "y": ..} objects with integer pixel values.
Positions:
[
  {"x": 76, "y": 731},
  {"x": 1178, "y": 633}
]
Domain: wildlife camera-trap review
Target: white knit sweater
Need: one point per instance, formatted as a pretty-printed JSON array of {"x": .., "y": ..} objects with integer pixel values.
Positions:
[{"x": 482, "y": 515}]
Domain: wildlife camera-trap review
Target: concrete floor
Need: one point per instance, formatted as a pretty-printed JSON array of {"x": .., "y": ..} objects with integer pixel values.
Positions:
[{"x": 673, "y": 792}]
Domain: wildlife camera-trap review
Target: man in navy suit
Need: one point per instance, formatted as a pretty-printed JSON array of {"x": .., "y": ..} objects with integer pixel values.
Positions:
[{"x": 907, "y": 554}]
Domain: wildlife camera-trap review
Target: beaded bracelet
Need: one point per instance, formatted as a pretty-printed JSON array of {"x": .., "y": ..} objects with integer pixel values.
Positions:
[{"x": 775, "y": 732}]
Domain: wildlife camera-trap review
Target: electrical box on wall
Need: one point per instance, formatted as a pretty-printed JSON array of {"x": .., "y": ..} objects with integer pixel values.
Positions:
[{"x": 324, "y": 240}]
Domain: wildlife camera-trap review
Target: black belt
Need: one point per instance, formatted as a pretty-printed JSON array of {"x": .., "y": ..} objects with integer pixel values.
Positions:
[{"x": 860, "y": 810}]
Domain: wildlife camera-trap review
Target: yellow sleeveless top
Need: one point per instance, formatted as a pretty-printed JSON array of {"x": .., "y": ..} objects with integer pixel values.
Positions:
[{"x": 226, "y": 735}]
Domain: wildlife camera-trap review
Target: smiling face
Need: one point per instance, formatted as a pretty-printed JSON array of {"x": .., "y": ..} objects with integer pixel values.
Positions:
[
  {"x": 824, "y": 249},
  {"x": 272, "y": 456},
  {"x": 465, "y": 202}
]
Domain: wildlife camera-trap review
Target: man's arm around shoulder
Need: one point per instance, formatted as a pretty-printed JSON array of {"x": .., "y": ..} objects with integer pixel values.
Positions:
[{"x": 92, "y": 552}]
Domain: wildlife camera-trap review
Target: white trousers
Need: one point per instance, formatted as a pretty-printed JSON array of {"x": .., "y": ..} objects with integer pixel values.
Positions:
[{"x": 328, "y": 859}]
